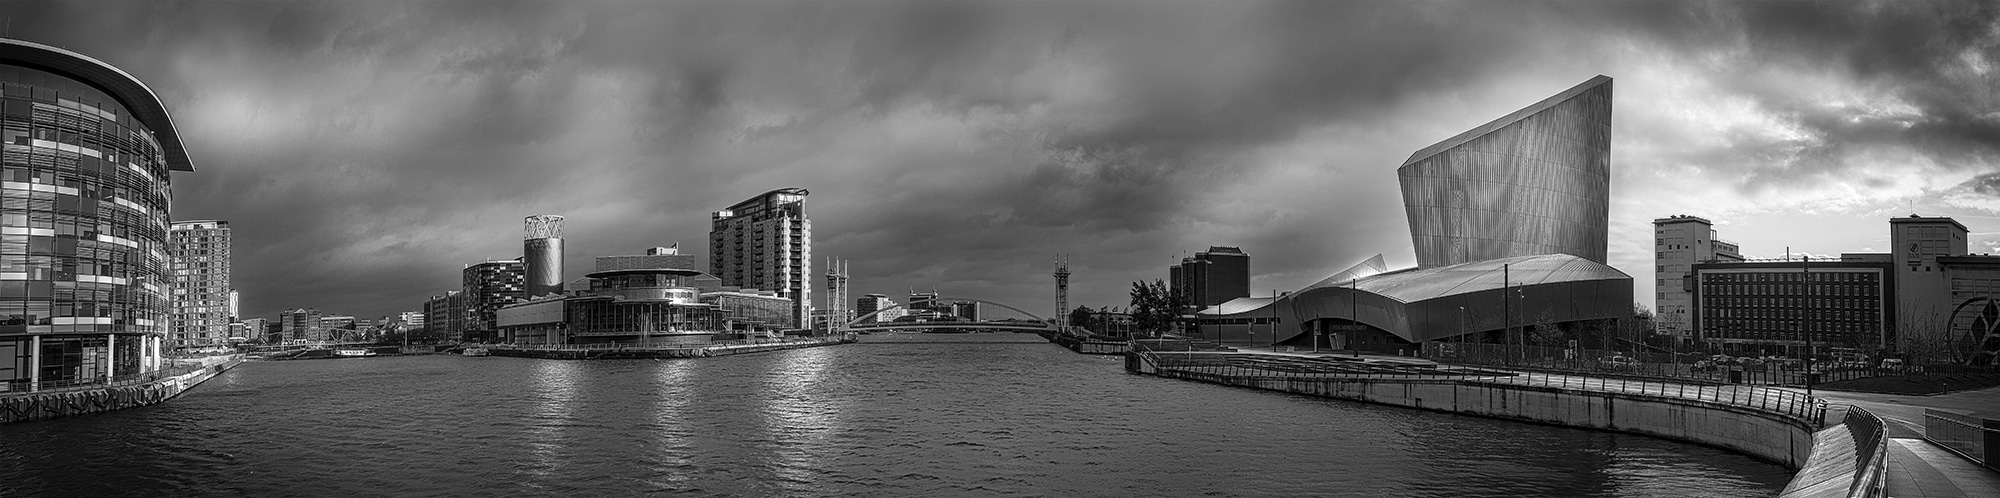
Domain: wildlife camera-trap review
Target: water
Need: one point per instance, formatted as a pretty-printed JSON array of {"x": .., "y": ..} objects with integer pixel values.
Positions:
[{"x": 898, "y": 415}]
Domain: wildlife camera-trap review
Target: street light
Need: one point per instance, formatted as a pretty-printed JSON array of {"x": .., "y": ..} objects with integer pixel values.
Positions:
[{"x": 1806, "y": 272}]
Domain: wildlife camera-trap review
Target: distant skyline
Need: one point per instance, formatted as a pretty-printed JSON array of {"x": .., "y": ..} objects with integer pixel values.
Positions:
[{"x": 364, "y": 152}]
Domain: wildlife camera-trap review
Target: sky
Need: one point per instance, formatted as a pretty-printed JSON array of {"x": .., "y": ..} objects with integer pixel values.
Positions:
[{"x": 364, "y": 152}]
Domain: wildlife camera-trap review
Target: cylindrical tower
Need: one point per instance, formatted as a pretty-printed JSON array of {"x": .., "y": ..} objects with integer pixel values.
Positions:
[{"x": 542, "y": 255}]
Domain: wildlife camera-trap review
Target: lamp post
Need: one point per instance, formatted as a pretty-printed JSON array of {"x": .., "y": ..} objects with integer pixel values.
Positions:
[
  {"x": 1806, "y": 283},
  {"x": 1506, "y": 314},
  {"x": 1274, "y": 320}
]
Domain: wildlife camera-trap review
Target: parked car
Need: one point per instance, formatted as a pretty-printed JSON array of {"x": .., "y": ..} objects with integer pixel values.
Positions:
[
  {"x": 1892, "y": 365},
  {"x": 1620, "y": 362},
  {"x": 1704, "y": 366}
]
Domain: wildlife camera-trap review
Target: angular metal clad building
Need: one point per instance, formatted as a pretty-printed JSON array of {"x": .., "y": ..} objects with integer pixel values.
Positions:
[
  {"x": 1537, "y": 181},
  {"x": 542, "y": 254},
  {"x": 1510, "y": 222}
]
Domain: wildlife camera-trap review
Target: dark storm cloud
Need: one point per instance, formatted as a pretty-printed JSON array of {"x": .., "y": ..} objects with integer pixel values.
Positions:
[{"x": 366, "y": 150}]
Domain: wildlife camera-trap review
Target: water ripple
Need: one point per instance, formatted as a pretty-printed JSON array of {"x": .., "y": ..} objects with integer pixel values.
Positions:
[{"x": 927, "y": 415}]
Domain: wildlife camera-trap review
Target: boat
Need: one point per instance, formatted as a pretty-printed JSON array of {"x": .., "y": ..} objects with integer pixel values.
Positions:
[
  {"x": 353, "y": 352},
  {"x": 475, "y": 352}
]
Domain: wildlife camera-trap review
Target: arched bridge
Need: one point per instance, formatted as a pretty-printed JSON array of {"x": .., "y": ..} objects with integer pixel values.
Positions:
[{"x": 1040, "y": 324}]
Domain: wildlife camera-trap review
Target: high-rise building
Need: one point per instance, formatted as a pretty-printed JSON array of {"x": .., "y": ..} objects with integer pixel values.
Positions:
[
  {"x": 1212, "y": 277},
  {"x": 968, "y": 310},
  {"x": 201, "y": 295},
  {"x": 1533, "y": 182},
  {"x": 88, "y": 153},
  {"x": 542, "y": 255},
  {"x": 765, "y": 242},
  {"x": 1680, "y": 242},
  {"x": 488, "y": 286}
]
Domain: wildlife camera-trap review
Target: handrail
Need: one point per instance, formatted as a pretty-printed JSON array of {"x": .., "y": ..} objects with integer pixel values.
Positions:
[{"x": 1962, "y": 434}]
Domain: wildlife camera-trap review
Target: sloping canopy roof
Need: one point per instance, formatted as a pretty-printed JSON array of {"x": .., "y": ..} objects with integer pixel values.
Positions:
[
  {"x": 135, "y": 96},
  {"x": 1367, "y": 268},
  {"x": 1419, "y": 284},
  {"x": 1509, "y": 119}
]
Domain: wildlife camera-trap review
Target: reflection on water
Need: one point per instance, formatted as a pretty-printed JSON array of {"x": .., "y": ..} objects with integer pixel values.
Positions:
[{"x": 935, "y": 415}]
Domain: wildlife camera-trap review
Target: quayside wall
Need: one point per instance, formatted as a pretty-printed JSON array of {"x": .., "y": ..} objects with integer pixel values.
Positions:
[
  {"x": 627, "y": 352},
  {"x": 81, "y": 401},
  {"x": 1771, "y": 436}
]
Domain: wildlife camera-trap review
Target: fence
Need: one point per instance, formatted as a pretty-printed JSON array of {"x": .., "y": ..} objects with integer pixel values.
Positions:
[
  {"x": 1967, "y": 435},
  {"x": 1688, "y": 365},
  {"x": 1213, "y": 367}
]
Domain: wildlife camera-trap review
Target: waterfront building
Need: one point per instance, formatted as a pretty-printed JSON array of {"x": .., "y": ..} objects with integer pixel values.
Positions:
[
  {"x": 968, "y": 310},
  {"x": 235, "y": 305},
  {"x": 1212, "y": 277},
  {"x": 925, "y": 301},
  {"x": 765, "y": 242},
  {"x": 414, "y": 319},
  {"x": 640, "y": 307},
  {"x": 871, "y": 303},
  {"x": 302, "y": 324},
  {"x": 444, "y": 316},
  {"x": 199, "y": 255},
  {"x": 257, "y": 329},
  {"x": 87, "y": 152},
  {"x": 1679, "y": 243},
  {"x": 750, "y": 311},
  {"x": 201, "y": 296},
  {"x": 542, "y": 255},
  {"x": 489, "y": 286},
  {"x": 1509, "y": 221},
  {"x": 1762, "y": 308}
]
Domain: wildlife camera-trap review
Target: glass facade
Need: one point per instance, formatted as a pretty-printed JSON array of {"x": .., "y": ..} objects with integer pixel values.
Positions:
[{"x": 84, "y": 202}]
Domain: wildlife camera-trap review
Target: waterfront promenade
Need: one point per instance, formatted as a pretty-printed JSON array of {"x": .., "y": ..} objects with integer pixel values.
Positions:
[
  {"x": 1913, "y": 466},
  {"x": 1916, "y": 467}
]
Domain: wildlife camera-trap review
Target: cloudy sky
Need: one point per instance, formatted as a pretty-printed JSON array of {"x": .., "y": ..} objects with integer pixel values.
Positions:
[{"x": 365, "y": 151}]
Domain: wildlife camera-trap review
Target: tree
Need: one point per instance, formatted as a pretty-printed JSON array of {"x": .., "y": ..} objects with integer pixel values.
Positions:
[
  {"x": 1155, "y": 307},
  {"x": 1082, "y": 316}
]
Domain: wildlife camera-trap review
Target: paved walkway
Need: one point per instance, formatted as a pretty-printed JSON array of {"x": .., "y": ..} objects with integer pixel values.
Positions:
[{"x": 1916, "y": 468}]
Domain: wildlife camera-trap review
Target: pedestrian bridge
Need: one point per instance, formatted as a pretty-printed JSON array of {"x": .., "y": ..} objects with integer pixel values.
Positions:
[{"x": 866, "y": 322}]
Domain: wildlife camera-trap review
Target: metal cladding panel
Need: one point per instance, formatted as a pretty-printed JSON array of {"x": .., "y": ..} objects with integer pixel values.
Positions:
[
  {"x": 542, "y": 265},
  {"x": 1425, "y": 304},
  {"x": 1537, "y": 182}
]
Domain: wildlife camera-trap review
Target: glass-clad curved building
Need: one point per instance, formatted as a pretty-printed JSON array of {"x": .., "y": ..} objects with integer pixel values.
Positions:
[{"x": 87, "y": 151}]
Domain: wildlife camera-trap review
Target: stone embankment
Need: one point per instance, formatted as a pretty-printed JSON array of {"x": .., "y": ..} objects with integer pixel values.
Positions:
[{"x": 83, "y": 400}]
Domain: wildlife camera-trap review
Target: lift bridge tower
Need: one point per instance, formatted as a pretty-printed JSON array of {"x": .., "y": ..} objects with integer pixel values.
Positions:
[{"x": 1062, "y": 293}]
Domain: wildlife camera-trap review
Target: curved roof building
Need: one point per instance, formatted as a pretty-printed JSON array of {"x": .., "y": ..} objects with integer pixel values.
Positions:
[
  {"x": 87, "y": 152},
  {"x": 1510, "y": 223}
]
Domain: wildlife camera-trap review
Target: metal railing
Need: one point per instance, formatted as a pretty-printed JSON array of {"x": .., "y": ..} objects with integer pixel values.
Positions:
[
  {"x": 1871, "y": 452},
  {"x": 1963, "y": 434},
  {"x": 1222, "y": 367},
  {"x": 1692, "y": 365},
  {"x": 23, "y": 387}
]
